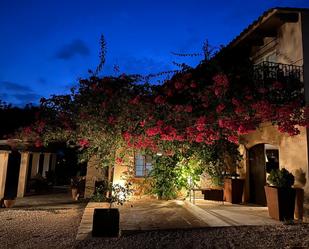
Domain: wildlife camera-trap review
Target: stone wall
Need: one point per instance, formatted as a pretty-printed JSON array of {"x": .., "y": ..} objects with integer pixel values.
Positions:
[
  {"x": 293, "y": 150},
  {"x": 95, "y": 172}
]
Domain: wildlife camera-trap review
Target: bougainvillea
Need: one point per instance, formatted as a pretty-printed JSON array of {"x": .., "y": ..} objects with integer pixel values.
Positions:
[{"x": 199, "y": 108}]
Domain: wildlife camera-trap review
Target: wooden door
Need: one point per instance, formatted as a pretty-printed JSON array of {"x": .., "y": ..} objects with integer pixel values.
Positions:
[{"x": 257, "y": 174}]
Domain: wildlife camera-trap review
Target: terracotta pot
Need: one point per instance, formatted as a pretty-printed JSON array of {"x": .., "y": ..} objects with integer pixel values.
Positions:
[
  {"x": 75, "y": 194},
  {"x": 299, "y": 203},
  {"x": 280, "y": 202},
  {"x": 9, "y": 203}
]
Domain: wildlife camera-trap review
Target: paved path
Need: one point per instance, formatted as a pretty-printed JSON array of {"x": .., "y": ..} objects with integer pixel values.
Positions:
[
  {"x": 142, "y": 215},
  {"x": 217, "y": 214},
  {"x": 145, "y": 215},
  {"x": 49, "y": 201}
]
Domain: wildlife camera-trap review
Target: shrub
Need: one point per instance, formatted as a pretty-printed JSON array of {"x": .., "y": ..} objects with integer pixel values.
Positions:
[{"x": 281, "y": 178}]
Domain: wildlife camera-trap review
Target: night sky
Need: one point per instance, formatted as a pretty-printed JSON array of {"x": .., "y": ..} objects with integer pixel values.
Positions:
[{"x": 46, "y": 45}]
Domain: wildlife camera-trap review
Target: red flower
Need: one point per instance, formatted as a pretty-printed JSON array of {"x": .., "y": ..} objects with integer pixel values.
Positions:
[
  {"x": 220, "y": 108},
  {"x": 221, "y": 80},
  {"x": 218, "y": 91},
  {"x": 233, "y": 139},
  {"x": 277, "y": 85},
  {"x": 235, "y": 101},
  {"x": 249, "y": 97},
  {"x": 153, "y": 131},
  {"x": 142, "y": 123},
  {"x": 263, "y": 109},
  {"x": 84, "y": 143},
  {"x": 188, "y": 108},
  {"x": 127, "y": 136},
  {"x": 135, "y": 100},
  {"x": 178, "y": 85},
  {"x": 160, "y": 123},
  {"x": 199, "y": 138},
  {"x": 38, "y": 143},
  {"x": 178, "y": 108},
  {"x": 262, "y": 90},
  {"x": 193, "y": 85},
  {"x": 27, "y": 131},
  {"x": 200, "y": 123},
  {"x": 111, "y": 120},
  {"x": 159, "y": 100},
  {"x": 169, "y": 93},
  {"x": 119, "y": 160}
]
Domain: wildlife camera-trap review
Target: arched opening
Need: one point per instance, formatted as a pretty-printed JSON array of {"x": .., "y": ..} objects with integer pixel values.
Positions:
[
  {"x": 262, "y": 159},
  {"x": 11, "y": 183}
]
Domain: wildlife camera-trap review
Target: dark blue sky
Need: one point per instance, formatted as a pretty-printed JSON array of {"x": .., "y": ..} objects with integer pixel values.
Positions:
[{"x": 46, "y": 45}]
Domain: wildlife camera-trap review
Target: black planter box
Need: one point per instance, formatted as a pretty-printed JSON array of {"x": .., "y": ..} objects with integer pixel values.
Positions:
[
  {"x": 105, "y": 222},
  {"x": 213, "y": 194}
]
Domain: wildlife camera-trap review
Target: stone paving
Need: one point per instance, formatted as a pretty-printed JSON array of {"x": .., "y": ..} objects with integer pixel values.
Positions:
[
  {"x": 217, "y": 214},
  {"x": 145, "y": 215},
  {"x": 62, "y": 200}
]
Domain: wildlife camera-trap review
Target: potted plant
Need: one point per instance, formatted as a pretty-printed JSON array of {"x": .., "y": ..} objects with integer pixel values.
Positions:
[
  {"x": 106, "y": 220},
  {"x": 8, "y": 202},
  {"x": 280, "y": 195},
  {"x": 233, "y": 188}
]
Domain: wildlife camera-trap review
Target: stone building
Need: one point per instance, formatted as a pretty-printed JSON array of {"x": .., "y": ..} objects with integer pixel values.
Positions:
[
  {"x": 278, "y": 44},
  {"x": 20, "y": 164}
]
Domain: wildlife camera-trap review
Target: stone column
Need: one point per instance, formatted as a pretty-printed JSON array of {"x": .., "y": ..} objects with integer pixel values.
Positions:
[
  {"x": 23, "y": 172},
  {"x": 35, "y": 164},
  {"x": 4, "y": 158},
  {"x": 46, "y": 163},
  {"x": 53, "y": 159}
]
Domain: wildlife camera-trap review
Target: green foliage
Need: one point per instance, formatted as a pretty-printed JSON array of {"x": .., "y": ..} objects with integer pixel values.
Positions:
[
  {"x": 164, "y": 177},
  {"x": 172, "y": 173},
  {"x": 217, "y": 159},
  {"x": 112, "y": 193},
  {"x": 216, "y": 172},
  {"x": 281, "y": 178}
]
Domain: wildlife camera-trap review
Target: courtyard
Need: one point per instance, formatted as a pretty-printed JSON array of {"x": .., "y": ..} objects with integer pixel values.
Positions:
[{"x": 55, "y": 221}]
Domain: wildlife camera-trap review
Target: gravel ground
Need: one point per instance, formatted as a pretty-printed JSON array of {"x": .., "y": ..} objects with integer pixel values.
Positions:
[
  {"x": 277, "y": 237},
  {"x": 46, "y": 229},
  {"x": 39, "y": 228}
]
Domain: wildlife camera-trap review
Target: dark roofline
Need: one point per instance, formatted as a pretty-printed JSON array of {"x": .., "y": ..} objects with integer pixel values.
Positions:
[{"x": 265, "y": 16}]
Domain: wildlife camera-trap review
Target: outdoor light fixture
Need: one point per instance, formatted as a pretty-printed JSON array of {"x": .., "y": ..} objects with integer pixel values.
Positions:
[{"x": 159, "y": 154}]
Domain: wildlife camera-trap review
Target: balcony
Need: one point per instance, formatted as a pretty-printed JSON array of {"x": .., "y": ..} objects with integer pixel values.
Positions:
[{"x": 269, "y": 72}]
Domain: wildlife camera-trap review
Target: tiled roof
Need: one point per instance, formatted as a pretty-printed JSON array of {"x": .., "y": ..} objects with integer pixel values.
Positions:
[{"x": 264, "y": 17}]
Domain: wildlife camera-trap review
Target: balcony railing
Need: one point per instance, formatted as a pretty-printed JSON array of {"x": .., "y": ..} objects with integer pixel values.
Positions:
[{"x": 270, "y": 71}]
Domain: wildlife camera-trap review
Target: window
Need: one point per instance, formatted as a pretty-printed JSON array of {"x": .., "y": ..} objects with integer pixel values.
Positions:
[{"x": 143, "y": 165}]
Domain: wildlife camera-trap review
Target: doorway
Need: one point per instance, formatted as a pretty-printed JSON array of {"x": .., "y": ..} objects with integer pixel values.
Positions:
[{"x": 262, "y": 159}]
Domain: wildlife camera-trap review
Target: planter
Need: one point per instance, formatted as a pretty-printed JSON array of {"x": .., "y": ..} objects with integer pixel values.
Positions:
[
  {"x": 105, "y": 222},
  {"x": 9, "y": 203},
  {"x": 280, "y": 202},
  {"x": 299, "y": 203},
  {"x": 213, "y": 194},
  {"x": 233, "y": 190}
]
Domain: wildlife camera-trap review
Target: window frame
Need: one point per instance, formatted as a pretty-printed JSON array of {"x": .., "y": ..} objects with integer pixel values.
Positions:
[{"x": 145, "y": 169}]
